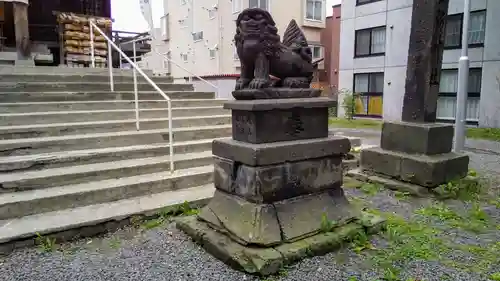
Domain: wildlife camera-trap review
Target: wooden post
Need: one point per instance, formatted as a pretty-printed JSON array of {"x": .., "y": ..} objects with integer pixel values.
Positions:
[{"x": 22, "y": 31}]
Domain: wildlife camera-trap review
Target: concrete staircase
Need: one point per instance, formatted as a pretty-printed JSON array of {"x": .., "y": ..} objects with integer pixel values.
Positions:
[{"x": 70, "y": 156}]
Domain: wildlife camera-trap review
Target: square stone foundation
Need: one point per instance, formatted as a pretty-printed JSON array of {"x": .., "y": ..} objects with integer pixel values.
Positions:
[
  {"x": 270, "y": 260},
  {"x": 414, "y": 153},
  {"x": 278, "y": 183}
]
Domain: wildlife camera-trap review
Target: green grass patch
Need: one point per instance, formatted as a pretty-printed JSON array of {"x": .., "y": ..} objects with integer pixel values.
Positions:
[
  {"x": 417, "y": 239},
  {"x": 492, "y": 134},
  {"x": 476, "y": 220},
  {"x": 355, "y": 123}
]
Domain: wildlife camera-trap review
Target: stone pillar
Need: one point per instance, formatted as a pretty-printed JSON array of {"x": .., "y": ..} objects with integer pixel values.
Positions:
[
  {"x": 278, "y": 183},
  {"x": 417, "y": 151},
  {"x": 23, "y": 45}
]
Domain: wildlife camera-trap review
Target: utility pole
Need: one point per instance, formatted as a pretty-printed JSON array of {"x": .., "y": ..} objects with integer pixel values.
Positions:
[{"x": 463, "y": 83}]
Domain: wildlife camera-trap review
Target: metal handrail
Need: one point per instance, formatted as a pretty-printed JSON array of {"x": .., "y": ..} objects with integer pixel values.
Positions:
[
  {"x": 165, "y": 57},
  {"x": 136, "y": 95}
]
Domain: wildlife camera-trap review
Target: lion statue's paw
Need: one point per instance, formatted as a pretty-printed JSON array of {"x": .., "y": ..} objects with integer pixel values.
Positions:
[{"x": 259, "y": 83}]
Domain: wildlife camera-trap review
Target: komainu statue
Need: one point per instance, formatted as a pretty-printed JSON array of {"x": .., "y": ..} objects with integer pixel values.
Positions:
[{"x": 262, "y": 54}]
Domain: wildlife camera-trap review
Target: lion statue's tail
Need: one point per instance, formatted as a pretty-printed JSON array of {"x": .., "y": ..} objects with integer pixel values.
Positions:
[{"x": 295, "y": 39}]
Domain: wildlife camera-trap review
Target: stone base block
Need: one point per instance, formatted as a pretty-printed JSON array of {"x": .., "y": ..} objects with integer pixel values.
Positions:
[
  {"x": 270, "y": 260},
  {"x": 276, "y": 93},
  {"x": 271, "y": 183},
  {"x": 389, "y": 183},
  {"x": 266, "y": 121},
  {"x": 425, "y": 170},
  {"x": 417, "y": 138},
  {"x": 272, "y": 224},
  {"x": 278, "y": 153}
]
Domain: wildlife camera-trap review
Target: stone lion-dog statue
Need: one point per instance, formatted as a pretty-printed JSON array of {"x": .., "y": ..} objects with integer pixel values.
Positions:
[{"x": 262, "y": 54}]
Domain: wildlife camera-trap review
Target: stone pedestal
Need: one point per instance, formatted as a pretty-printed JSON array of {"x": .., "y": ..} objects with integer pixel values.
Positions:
[
  {"x": 416, "y": 154},
  {"x": 278, "y": 185}
]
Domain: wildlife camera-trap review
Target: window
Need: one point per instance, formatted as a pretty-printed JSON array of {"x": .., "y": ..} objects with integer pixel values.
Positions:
[
  {"x": 370, "y": 42},
  {"x": 362, "y": 2},
  {"x": 212, "y": 53},
  {"x": 184, "y": 57},
  {"x": 263, "y": 4},
  {"x": 236, "y": 6},
  {"x": 477, "y": 27},
  {"x": 317, "y": 52},
  {"x": 314, "y": 10},
  {"x": 448, "y": 88},
  {"x": 370, "y": 88},
  {"x": 197, "y": 36},
  {"x": 211, "y": 14},
  {"x": 164, "y": 27}
]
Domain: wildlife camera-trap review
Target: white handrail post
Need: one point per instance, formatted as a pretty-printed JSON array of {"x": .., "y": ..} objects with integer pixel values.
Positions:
[
  {"x": 136, "y": 94},
  {"x": 92, "y": 55},
  {"x": 170, "y": 136},
  {"x": 110, "y": 66},
  {"x": 120, "y": 61}
]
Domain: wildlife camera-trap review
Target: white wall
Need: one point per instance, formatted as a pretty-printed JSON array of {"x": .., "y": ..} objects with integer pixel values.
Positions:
[{"x": 225, "y": 87}]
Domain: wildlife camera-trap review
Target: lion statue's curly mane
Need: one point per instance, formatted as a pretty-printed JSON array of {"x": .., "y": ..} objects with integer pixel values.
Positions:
[{"x": 269, "y": 40}]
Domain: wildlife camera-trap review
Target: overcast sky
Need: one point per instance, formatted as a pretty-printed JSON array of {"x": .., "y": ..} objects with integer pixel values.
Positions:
[{"x": 128, "y": 17}]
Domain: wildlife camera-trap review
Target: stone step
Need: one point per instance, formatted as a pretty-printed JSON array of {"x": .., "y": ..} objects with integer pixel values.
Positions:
[
  {"x": 21, "y": 181},
  {"x": 85, "y": 77},
  {"x": 12, "y": 119},
  {"x": 57, "y": 159},
  {"x": 88, "y": 220},
  {"x": 63, "y": 70},
  {"x": 64, "y": 129},
  {"x": 87, "y": 96},
  {"x": 113, "y": 139},
  {"x": 87, "y": 86},
  {"x": 21, "y": 107}
]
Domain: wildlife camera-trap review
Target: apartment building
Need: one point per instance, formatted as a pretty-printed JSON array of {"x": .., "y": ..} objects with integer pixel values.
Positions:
[
  {"x": 374, "y": 49},
  {"x": 330, "y": 40},
  {"x": 198, "y": 34}
]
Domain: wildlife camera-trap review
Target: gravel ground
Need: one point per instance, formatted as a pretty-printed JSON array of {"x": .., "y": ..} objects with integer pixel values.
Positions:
[{"x": 164, "y": 253}]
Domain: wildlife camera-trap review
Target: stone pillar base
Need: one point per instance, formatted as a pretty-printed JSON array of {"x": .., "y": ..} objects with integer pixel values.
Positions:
[
  {"x": 415, "y": 153},
  {"x": 278, "y": 183},
  {"x": 270, "y": 260}
]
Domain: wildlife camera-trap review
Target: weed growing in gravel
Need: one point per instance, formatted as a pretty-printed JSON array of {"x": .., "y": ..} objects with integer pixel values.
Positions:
[
  {"x": 371, "y": 188},
  {"x": 495, "y": 276},
  {"x": 184, "y": 209},
  {"x": 361, "y": 242},
  {"x": 153, "y": 223},
  {"x": 401, "y": 195},
  {"x": 45, "y": 244},
  {"x": 391, "y": 274},
  {"x": 476, "y": 219},
  {"x": 115, "y": 243},
  {"x": 326, "y": 224},
  {"x": 467, "y": 189},
  {"x": 163, "y": 216},
  {"x": 481, "y": 259},
  {"x": 406, "y": 241}
]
